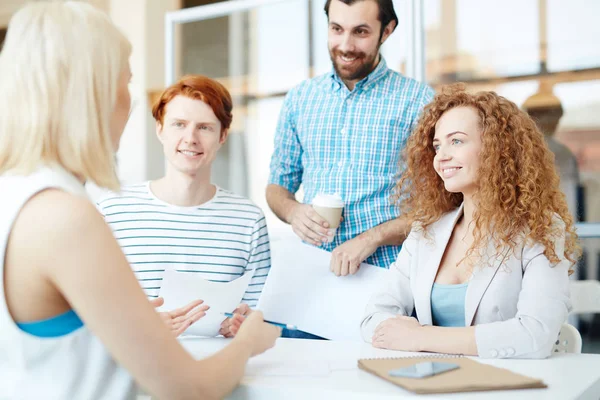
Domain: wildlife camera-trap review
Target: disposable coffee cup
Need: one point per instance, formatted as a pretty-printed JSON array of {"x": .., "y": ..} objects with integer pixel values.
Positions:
[{"x": 330, "y": 207}]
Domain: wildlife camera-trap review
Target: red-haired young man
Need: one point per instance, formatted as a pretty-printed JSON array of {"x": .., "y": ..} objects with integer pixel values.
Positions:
[{"x": 183, "y": 221}]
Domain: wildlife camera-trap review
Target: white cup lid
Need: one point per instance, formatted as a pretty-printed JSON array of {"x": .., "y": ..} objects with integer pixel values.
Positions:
[{"x": 328, "y": 200}]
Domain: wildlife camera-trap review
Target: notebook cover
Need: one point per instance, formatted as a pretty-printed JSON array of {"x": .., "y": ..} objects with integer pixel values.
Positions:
[{"x": 472, "y": 376}]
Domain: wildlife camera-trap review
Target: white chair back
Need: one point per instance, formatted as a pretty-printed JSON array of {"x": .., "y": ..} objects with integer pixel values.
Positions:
[{"x": 569, "y": 340}]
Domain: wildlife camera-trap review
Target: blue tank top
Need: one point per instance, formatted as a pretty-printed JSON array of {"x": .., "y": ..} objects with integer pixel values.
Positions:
[
  {"x": 57, "y": 326},
  {"x": 448, "y": 304}
]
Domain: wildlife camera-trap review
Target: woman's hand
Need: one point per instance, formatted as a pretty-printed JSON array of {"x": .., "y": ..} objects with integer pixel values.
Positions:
[
  {"x": 180, "y": 319},
  {"x": 398, "y": 333},
  {"x": 257, "y": 334},
  {"x": 231, "y": 326}
]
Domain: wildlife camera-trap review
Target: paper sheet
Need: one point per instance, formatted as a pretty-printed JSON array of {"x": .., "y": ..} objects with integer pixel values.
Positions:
[
  {"x": 301, "y": 290},
  {"x": 181, "y": 288}
]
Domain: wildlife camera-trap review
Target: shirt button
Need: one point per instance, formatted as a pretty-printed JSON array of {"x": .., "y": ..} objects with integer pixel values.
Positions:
[
  {"x": 494, "y": 353},
  {"x": 340, "y": 164},
  {"x": 510, "y": 351},
  {"x": 343, "y": 131}
]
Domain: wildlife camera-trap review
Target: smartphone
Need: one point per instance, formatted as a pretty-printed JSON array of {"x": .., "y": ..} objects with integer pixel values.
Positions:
[{"x": 423, "y": 370}]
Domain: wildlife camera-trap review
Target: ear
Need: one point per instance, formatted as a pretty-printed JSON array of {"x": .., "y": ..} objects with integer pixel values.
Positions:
[
  {"x": 224, "y": 134},
  {"x": 159, "y": 131},
  {"x": 389, "y": 29}
]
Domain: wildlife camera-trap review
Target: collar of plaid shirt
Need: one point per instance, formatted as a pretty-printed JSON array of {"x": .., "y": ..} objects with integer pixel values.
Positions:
[{"x": 379, "y": 72}]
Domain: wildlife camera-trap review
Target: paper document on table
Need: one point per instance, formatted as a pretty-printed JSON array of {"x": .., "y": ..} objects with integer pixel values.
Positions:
[
  {"x": 181, "y": 288},
  {"x": 302, "y": 291}
]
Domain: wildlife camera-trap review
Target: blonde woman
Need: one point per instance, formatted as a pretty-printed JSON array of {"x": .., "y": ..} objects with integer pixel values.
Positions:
[{"x": 75, "y": 323}]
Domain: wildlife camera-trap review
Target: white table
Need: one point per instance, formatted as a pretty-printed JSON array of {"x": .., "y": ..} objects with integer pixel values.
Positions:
[{"x": 335, "y": 374}]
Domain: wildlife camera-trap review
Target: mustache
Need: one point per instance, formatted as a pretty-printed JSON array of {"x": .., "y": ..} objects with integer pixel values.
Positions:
[{"x": 349, "y": 54}]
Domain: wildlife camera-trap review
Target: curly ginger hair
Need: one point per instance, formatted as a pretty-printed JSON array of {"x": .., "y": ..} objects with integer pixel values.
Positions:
[{"x": 518, "y": 187}]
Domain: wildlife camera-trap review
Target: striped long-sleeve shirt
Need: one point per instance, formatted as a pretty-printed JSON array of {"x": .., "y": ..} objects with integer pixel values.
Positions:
[{"x": 220, "y": 239}]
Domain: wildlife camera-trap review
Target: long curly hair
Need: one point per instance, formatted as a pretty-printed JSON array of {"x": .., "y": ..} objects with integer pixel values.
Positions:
[{"x": 518, "y": 192}]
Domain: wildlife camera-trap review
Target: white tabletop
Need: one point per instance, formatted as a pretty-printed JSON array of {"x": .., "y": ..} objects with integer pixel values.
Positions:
[{"x": 315, "y": 369}]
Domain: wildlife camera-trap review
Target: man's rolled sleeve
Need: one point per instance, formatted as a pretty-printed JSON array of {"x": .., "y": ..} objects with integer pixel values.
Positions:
[{"x": 286, "y": 162}]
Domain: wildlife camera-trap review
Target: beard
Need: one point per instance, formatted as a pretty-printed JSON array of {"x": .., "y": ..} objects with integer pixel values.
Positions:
[{"x": 363, "y": 65}]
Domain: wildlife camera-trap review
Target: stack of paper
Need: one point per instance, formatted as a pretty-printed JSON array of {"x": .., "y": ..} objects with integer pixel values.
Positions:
[{"x": 302, "y": 291}]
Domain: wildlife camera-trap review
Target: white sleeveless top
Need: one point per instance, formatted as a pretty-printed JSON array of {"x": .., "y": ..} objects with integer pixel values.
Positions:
[{"x": 74, "y": 366}]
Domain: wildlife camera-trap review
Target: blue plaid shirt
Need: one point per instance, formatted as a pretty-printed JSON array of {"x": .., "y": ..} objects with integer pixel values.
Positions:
[{"x": 333, "y": 140}]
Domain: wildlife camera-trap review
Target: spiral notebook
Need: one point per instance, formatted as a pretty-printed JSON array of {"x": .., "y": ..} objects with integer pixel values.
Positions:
[{"x": 471, "y": 376}]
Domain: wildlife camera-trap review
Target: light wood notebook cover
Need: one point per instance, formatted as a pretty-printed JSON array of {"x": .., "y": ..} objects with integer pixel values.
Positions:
[{"x": 471, "y": 376}]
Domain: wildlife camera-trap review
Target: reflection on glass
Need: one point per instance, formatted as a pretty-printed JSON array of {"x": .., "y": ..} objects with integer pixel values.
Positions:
[
  {"x": 573, "y": 34},
  {"x": 463, "y": 44}
]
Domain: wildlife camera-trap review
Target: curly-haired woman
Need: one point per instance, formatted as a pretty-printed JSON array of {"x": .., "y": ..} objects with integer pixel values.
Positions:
[{"x": 486, "y": 266}]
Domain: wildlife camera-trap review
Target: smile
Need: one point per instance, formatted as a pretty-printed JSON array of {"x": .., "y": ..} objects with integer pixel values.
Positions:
[
  {"x": 189, "y": 153},
  {"x": 450, "y": 172}
]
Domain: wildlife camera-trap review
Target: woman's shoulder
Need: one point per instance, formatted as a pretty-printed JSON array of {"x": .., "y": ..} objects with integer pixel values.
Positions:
[
  {"x": 54, "y": 218},
  {"x": 54, "y": 222},
  {"x": 59, "y": 210}
]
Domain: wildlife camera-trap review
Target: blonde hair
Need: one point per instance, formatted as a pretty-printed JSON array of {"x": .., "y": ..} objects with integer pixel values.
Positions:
[{"x": 59, "y": 73}]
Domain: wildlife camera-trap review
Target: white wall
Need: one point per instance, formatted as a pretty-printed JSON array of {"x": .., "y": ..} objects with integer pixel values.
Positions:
[
  {"x": 142, "y": 21},
  {"x": 9, "y": 7}
]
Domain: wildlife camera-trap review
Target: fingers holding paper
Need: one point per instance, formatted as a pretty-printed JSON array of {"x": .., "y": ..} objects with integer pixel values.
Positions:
[
  {"x": 231, "y": 326},
  {"x": 398, "y": 333},
  {"x": 179, "y": 319},
  {"x": 346, "y": 258}
]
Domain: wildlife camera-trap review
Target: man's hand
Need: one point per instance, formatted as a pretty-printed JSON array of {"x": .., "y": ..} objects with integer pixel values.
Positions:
[
  {"x": 398, "y": 333},
  {"x": 346, "y": 258},
  {"x": 231, "y": 326},
  {"x": 308, "y": 225},
  {"x": 180, "y": 319}
]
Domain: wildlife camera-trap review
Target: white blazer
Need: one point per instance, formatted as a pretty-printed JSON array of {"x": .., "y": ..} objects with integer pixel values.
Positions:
[{"x": 518, "y": 300}]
